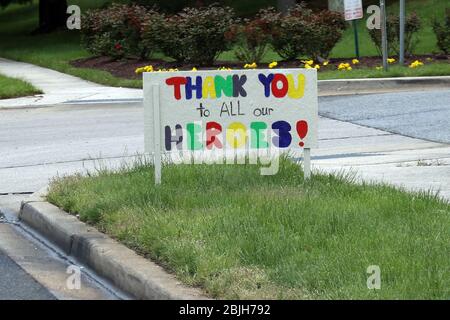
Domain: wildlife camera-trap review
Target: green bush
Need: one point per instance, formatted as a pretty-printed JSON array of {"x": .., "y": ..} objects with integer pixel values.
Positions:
[
  {"x": 253, "y": 39},
  {"x": 247, "y": 8},
  {"x": 412, "y": 26},
  {"x": 442, "y": 32},
  {"x": 116, "y": 31},
  {"x": 303, "y": 32},
  {"x": 194, "y": 35}
]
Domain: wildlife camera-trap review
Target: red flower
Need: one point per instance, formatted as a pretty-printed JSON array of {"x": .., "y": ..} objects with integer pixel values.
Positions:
[{"x": 118, "y": 46}]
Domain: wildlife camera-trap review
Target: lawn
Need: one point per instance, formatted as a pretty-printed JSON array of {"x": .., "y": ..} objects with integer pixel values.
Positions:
[
  {"x": 56, "y": 50},
  {"x": 53, "y": 50},
  {"x": 14, "y": 88},
  {"x": 427, "y": 10},
  {"x": 432, "y": 69},
  {"x": 238, "y": 234}
]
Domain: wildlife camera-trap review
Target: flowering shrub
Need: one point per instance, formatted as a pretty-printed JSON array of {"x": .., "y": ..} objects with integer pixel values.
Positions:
[
  {"x": 116, "y": 31},
  {"x": 412, "y": 26},
  {"x": 194, "y": 35},
  {"x": 303, "y": 32},
  {"x": 253, "y": 38},
  {"x": 442, "y": 32},
  {"x": 198, "y": 35}
]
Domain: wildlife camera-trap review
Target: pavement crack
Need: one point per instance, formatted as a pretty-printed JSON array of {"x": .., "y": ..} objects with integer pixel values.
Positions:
[
  {"x": 363, "y": 136},
  {"x": 327, "y": 114},
  {"x": 67, "y": 161},
  {"x": 23, "y": 193}
]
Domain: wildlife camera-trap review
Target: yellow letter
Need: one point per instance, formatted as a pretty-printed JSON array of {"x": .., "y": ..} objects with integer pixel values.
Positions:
[
  {"x": 296, "y": 93},
  {"x": 208, "y": 88},
  {"x": 237, "y": 135}
]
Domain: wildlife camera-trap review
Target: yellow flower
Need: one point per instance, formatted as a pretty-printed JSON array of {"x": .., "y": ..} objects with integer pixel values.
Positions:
[
  {"x": 416, "y": 64},
  {"x": 273, "y": 65},
  {"x": 325, "y": 63},
  {"x": 379, "y": 68},
  {"x": 173, "y": 70},
  {"x": 224, "y": 69},
  {"x": 144, "y": 69},
  {"x": 307, "y": 66},
  {"x": 391, "y": 60},
  {"x": 308, "y": 62},
  {"x": 250, "y": 66},
  {"x": 317, "y": 66},
  {"x": 194, "y": 69},
  {"x": 355, "y": 61},
  {"x": 344, "y": 66},
  {"x": 349, "y": 69}
]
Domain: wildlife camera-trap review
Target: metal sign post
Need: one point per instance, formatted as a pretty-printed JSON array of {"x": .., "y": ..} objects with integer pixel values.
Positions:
[
  {"x": 355, "y": 31},
  {"x": 353, "y": 10},
  {"x": 402, "y": 32},
  {"x": 384, "y": 42}
]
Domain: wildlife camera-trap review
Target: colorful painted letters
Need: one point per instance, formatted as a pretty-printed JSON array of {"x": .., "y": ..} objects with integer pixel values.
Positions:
[
  {"x": 236, "y": 135},
  {"x": 277, "y": 85},
  {"x": 238, "y": 110}
]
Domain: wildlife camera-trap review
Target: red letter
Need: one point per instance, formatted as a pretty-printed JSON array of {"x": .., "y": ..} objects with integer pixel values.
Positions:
[
  {"x": 279, "y": 92},
  {"x": 176, "y": 82},
  {"x": 213, "y": 129}
]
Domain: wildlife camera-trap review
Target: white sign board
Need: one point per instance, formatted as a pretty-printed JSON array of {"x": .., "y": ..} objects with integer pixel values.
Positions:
[
  {"x": 238, "y": 110},
  {"x": 353, "y": 9}
]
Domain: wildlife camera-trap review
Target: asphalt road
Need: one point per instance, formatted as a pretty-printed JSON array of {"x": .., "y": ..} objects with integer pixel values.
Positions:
[
  {"x": 39, "y": 143},
  {"x": 423, "y": 115},
  {"x": 16, "y": 284}
]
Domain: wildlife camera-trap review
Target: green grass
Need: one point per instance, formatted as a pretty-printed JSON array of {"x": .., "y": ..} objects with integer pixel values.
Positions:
[
  {"x": 432, "y": 69},
  {"x": 427, "y": 11},
  {"x": 56, "y": 50},
  {"x": 14, "y": 88},
  {"x": 238, "y": 234}
]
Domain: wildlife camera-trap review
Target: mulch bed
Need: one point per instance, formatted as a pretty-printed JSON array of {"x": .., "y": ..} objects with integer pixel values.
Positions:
[{"x": 126, "y": 68}]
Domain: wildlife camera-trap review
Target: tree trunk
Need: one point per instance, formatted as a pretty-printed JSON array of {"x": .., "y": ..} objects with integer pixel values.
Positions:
[
  {"x": 285, "y": 5},
  {"x": 52, "y": 15}
]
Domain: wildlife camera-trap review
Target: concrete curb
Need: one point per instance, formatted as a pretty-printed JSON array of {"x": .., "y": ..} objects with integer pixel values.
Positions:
[
  {"x": 381, "y": 85},
  {"x": 128, "y": 271}
]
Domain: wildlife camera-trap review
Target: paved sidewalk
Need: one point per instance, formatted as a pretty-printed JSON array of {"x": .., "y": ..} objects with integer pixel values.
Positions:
[
  {"x": 60, "y": 88},
  {"x": 376, "y": 155}
]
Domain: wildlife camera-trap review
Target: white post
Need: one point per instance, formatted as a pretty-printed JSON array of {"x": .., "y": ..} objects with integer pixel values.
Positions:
[
  {"x": 402, "y": 32},
  {"x": 307, "y": 163},
  {"x": 156, "y": 134}
]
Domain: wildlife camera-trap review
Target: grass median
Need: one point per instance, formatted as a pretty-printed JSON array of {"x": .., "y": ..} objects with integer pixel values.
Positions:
[
  {"x": 238, "y": 234},
  {"x": 14, "y": 88}
]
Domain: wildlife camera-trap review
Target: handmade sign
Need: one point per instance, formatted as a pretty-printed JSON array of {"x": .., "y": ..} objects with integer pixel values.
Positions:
[{"x": 242, "y": 109}]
